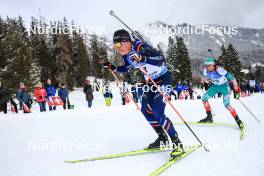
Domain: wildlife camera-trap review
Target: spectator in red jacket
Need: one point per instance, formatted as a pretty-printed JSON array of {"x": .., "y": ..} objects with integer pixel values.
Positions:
[{"x": 41, "y": 96}]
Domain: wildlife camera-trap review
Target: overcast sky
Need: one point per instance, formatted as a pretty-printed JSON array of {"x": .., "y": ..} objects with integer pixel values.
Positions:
[{"x": 245, "y": 13}]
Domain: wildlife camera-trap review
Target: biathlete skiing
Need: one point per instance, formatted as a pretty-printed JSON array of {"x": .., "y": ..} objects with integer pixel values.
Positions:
[
  {"x": 220, "y": 84},
  {"x": 139, "y": 54}
]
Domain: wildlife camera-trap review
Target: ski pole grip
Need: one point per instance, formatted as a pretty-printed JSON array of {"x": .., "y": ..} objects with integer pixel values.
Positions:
[{"x": 112, "y": 13}]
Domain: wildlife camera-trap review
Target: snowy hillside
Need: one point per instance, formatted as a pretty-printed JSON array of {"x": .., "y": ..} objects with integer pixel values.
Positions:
[
  {"x": 248, "y": 41},
  {"x": 37, "y": 144}
]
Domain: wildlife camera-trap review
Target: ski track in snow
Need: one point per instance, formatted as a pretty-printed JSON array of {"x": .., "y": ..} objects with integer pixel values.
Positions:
[{"x": 123, "y": 128}]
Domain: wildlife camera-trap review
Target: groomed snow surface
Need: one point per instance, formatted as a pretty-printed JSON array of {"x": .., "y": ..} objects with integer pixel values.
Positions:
[{"x": 37, "y": 144}]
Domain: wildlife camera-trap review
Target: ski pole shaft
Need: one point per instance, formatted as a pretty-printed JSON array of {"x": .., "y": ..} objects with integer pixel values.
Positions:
[
  {"x": 119, "y": 83},
  {"x": 129, "y": 96},
  {"x": 212, "y": 112},
  {"x": 112, "y": 13},
  {"x": 174, "y": 109},
  {"x": 249, "y": 111}
]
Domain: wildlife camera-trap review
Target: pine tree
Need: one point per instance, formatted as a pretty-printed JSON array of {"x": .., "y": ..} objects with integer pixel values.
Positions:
[
  {"x": 95, "y": 57},
  {"x": 52, "y": 63},
  {"x": 65, "y": 61},
  {"x": 60, "y": 49},
  {"x": 182, "y": 61},
  {"x": 23, "y": 30},
  {"x": 170, "y": 60},
  {"x": 3, "y": 58},
  {"x": 41, "y": 56},
  {"x": 259, "y": 73},
  {"x": 18, "y": 55},
  {"x": 233, "y": 64},
  {"x": 84, "y": 64},
  {"x": 80, "y": 59},
  {"x": 103, "y": 53},
  {"x": 223, "y": 60},
  {"x": 174, "y": 66}
]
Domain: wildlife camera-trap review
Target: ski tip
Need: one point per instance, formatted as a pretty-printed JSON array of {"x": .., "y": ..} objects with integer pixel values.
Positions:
[
  {"x": 76, "y": 161},
  {"x": 68, "y": 161},
  {"x": 242, "y": 132}
]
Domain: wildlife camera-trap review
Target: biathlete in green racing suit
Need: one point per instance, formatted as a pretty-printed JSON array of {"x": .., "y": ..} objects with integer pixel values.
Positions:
[{"x": 220, "y": 84}]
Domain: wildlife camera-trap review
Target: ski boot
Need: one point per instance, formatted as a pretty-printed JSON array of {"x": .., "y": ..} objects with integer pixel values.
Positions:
[
  {"x": 162, "y": 139},
  {"x": 177, "y": 147},
  {"x": 208, "y": 118},
  {"x": 239, "y": 123}
]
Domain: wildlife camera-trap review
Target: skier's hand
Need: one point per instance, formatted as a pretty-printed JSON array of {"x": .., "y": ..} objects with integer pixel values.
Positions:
[
  {"x": 236, "y": 92},
  {"x": 108, "y": 65},
  {"x": 134, "y": 35},
  {"x": 136, "y": 57},
  {"x": 236, "y": 95}
]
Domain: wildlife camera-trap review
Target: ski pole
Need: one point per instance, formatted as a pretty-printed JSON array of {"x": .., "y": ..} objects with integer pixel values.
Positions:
[
  {"x": 154, "y": 83},
  {"x": 129, "y": 96},
  {"x": 175, "y": 110},
  {"x": 119, "y": 83},
  {"x": 213, "y": 114},
  {"x": 112, "y": 13},
  {"x": 249, "y": 111}
]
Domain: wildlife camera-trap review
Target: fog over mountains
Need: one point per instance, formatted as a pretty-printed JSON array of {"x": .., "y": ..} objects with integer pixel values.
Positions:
[{"x": 248, "y": 41}]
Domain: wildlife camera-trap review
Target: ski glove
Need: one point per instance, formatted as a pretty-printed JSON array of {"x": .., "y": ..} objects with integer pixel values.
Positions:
[
  {"x": 136, "y": 57},
  {"x": 236, "y": 92},
  {"x": 108, "y": 65},
  {"x": 134, "y": 35}
]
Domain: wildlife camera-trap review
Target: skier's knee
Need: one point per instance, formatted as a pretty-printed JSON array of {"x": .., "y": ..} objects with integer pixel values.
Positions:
[
  {"x": 146, "y": 111},
  {"x": 162, "y": 119},
  {"x": 158, "y": 111},
  {"x": 205, "y": 97},
  {"x": 226, "y": 104}
]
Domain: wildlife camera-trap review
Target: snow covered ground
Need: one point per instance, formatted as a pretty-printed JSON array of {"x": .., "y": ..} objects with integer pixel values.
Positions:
[{"x": 37, "y": 144}]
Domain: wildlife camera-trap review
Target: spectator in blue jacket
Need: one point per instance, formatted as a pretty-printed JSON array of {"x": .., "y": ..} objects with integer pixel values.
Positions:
[
  {"x": 179, "y": 88},
  {"x": 64, "y": 95},
  {"x": 22, "y": 95},
  {"x": 259, "y": 87},
  {"x": 185, "y": 88},
  {"x": 51, "y": 91}
]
